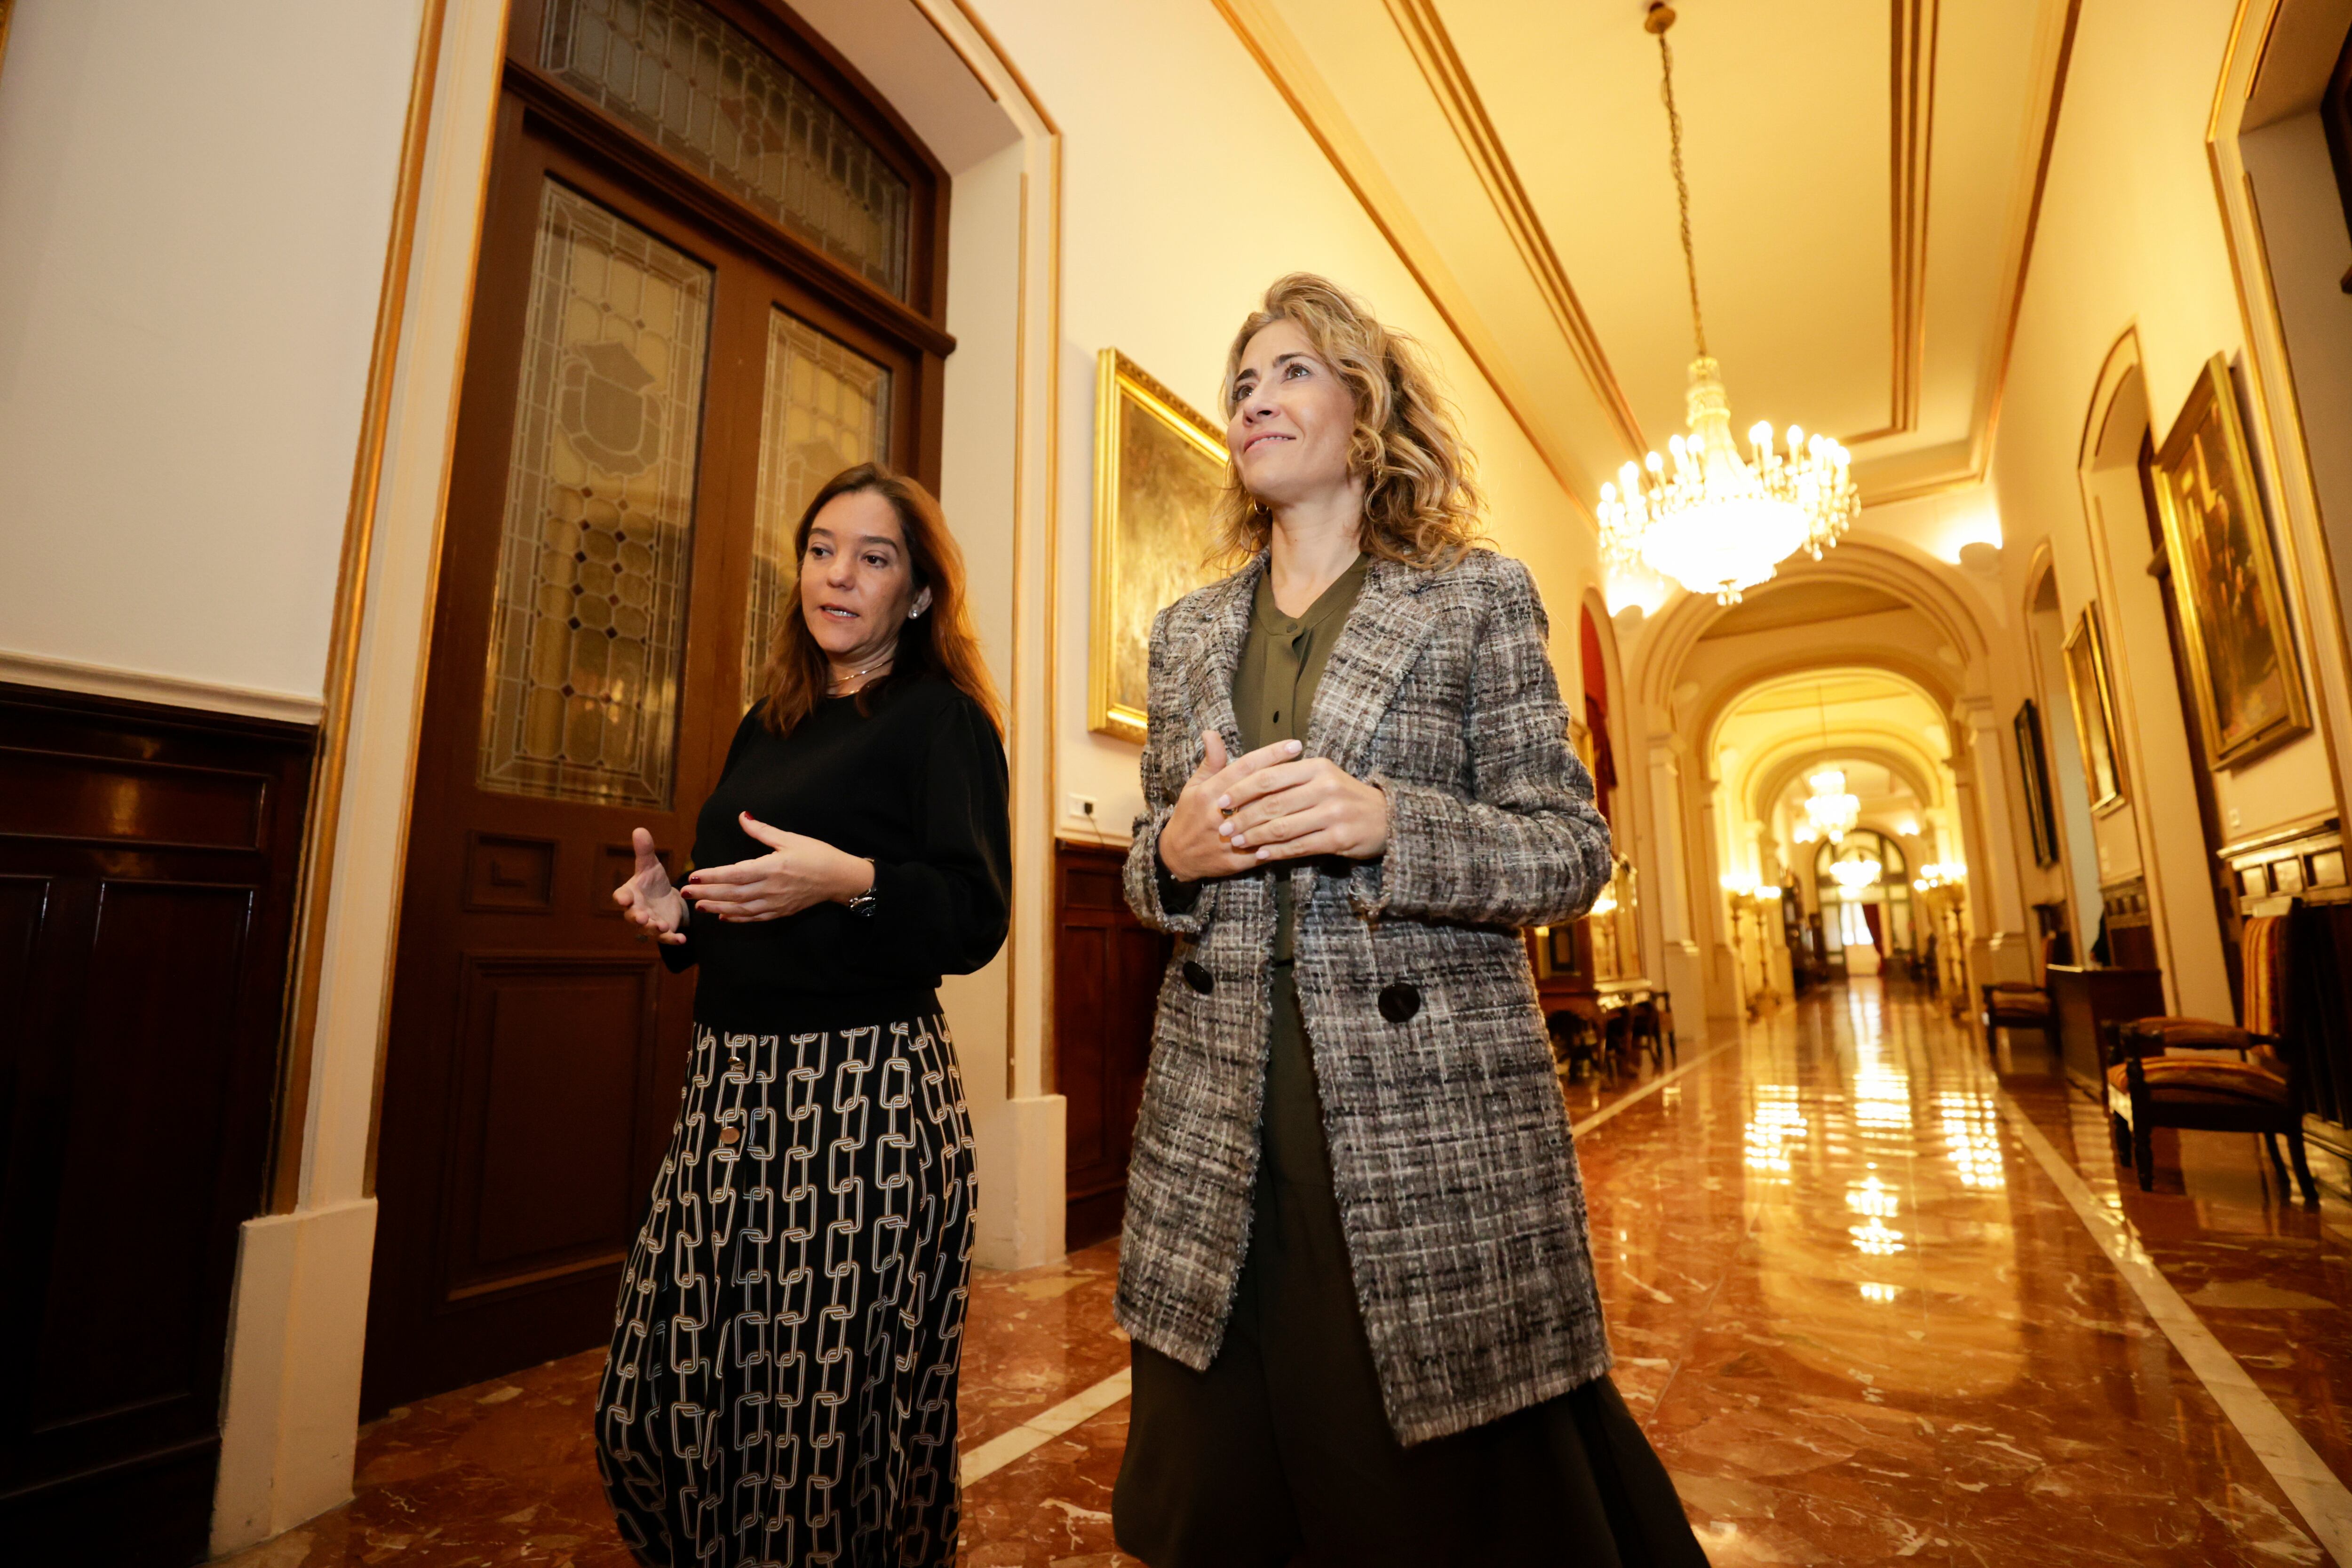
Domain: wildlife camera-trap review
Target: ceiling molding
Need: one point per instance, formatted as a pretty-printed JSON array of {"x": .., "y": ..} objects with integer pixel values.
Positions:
[
  {"x": 1423, "y": 31},
  {"x": 1270, "y": 42},
  {"x": 1915, "y": 42},
  {"x": 1988, "y": 429},
  {"x": 1914, "y": 27},
  {"x": 1668, "y": 644}
]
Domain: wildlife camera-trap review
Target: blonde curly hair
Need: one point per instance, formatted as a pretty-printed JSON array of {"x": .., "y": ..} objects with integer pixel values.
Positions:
[{"x": 1421, "y": 500}]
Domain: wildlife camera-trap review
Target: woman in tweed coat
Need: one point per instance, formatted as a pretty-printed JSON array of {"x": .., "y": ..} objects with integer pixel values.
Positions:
[{"x": 1356, "y": 1270}]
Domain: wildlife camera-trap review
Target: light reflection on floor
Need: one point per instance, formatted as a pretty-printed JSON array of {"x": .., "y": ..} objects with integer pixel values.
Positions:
[{"x": 1859, "y": 1320}]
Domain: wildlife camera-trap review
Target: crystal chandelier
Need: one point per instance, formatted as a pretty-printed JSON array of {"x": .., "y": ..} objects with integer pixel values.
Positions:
[
  {"x": 1830, "y": 811},
  {"x": 1721, "y": 523},
  {"x": 1854, "y": 875}
]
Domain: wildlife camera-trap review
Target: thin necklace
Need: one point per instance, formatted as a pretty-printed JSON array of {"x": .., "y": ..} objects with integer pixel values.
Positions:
[{"x": 861, "y": 674}]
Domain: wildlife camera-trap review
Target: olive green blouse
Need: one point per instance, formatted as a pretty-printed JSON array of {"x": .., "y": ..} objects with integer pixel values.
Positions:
[{"x": 1273, "y": 688}]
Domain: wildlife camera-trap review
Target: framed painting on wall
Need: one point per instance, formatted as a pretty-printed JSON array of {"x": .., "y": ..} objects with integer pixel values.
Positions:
[
  {"x": 2095, "y": 711},
  {"x": 2033, "y": 767},
  {"x": 2241, "y": 663},
  {"x": 1159, "y": 467}
]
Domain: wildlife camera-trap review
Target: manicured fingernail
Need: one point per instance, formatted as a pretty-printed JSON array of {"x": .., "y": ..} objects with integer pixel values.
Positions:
[
  {"x": 1224, "y": 803},
  {"x": 1292, "y": 747},
  {"x": 1261, "y": 854},
  {"x": 1240, "y": 842}
]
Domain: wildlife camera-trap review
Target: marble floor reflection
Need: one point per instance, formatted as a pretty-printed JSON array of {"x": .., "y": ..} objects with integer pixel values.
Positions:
[{"x": 1862, "y": 1319}]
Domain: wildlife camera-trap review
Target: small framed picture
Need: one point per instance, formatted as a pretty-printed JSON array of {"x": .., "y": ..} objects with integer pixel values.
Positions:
[
  {"x": 2095, "y": 712},
  {"x": 2033, "y": 767},
  {"x": 1160, "y": 468}
]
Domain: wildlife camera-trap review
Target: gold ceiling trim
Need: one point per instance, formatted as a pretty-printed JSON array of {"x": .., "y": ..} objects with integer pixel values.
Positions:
[
  {"x": 1981, "y": 460},
  {"x": 1432, "y": 47},
  {"x": 1982, "y": 437},
  {"x": 1916, "y": 29},
  {"x": 1913, "y": 28},
  {"x": 1265, "y": 36}
]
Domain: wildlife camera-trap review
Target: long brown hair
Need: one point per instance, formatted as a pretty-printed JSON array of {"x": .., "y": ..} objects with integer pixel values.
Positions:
[
  {"x": 1421, "y": 501},
  {"x": 939, "y": 642}
]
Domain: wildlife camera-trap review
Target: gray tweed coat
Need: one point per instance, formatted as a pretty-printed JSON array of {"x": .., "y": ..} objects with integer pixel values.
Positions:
[{"x": 1457, "y": 1185}]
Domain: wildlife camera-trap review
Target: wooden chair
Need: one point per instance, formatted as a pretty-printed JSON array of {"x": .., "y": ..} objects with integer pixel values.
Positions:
[
  {"x": 2213, "y": 1077},
  {"x": 1575, "y": 1033},
  {"x": 1649, "y": 1028},
  {"x": 2017, "y": 1004}
]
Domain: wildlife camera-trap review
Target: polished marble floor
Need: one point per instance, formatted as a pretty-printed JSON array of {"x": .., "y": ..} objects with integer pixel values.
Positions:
[{"x": 1875, "y": 1297}]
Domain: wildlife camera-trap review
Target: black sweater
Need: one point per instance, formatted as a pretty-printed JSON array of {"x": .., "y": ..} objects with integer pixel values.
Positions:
[{"x": 918, "y": 786}]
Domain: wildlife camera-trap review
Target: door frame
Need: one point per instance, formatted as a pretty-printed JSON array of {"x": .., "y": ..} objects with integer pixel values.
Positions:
[
  {"x": 304, "y": 1260},
  {"x": 542, "y": 131}
]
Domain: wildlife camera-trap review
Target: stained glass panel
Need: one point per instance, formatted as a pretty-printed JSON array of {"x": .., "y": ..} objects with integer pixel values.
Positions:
[
  {"x": 713, "y": 100},
  {"x": 827, "y": 406},
  {"x": 587, "y": 634}
]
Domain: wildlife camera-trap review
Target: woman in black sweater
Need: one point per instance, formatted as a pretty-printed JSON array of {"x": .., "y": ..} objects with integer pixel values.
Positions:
[{"x": 782, "y": 1376}]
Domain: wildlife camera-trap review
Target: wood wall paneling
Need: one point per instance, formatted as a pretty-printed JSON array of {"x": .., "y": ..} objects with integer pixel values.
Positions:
[
  {"x": 2304, "y": 859},
  {"x": 147, "y": 886},
  {"x": 1107, "y": 968},
  {"x": 2131, "y": 930},
  {"x": 2320, "y": 1011}
]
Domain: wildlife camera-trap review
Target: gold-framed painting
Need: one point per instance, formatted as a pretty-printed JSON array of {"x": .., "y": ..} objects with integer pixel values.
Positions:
[
  {"x": 2092, "y": 691},
  {"x": 1159, "y": 467},
  {"x": 2225, "y": 578}
]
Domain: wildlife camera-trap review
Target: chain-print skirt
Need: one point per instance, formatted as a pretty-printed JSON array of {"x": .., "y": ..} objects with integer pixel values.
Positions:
[{"x": 781, "y": 1384}]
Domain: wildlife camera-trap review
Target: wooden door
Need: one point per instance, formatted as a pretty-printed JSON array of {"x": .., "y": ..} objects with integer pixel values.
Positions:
[
  {"x": 1106, "y": 971},
  {"x": 646, "y": 405}
]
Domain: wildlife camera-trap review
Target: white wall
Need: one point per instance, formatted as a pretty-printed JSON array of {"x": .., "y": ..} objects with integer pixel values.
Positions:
[
  {"x": 1188, "y": 186},
  {"x": 194, "y": 203},
  {"x": 2131, "y": 237}
]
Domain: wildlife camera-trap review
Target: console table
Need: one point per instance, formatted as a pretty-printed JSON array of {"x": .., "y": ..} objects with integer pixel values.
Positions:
[{"x": 2081, "y": 999}]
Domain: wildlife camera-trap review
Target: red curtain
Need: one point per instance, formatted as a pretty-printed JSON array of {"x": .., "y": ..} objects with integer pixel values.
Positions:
[
  {"x": 1596, "y": 712},
  {"x": 1878, "y": 929}
]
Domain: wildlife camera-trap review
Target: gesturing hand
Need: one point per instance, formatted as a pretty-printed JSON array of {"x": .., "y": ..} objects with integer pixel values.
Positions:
[
  {"x": 1191, "y": 844},
  {"x": 1313, "y": 807},
  {"x": 648, "y": 901},
  {"x": 796, "y": 872}
]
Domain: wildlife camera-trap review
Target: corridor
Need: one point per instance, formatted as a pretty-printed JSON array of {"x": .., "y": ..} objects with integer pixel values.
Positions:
[{"x": 1874, "y": 1301}]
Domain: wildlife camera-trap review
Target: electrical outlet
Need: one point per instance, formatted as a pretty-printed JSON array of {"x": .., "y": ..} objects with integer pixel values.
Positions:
[{"x": 1081, "y": 806}]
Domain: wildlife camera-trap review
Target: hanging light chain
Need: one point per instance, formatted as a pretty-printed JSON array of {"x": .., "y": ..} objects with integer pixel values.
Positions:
[
  {"x": 1681, "y": 185},
  {"x": 1720, "y": 522}
]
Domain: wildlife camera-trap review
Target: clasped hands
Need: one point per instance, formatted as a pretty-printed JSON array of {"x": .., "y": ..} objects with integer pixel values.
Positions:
[
  {"x": 1269, "y": 804},
  {"x": 797, "y": 871}
]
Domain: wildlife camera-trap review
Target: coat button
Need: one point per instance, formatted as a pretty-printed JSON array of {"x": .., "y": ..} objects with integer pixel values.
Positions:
[
  {"x": 731, "y": 1134},
  {"x": 1399, "y": 1001},
  {"x": 1197, "y": 975}
]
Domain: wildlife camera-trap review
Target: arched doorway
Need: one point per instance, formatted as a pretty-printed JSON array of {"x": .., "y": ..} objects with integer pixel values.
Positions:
[
  {"x": 1863, "y": 888},
  {"x": 2156, "y": 830}
]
